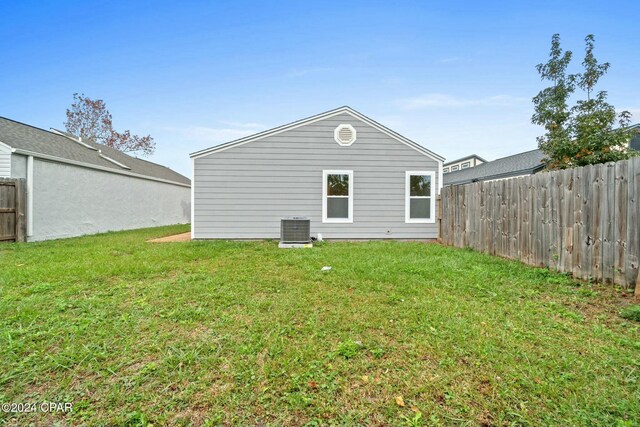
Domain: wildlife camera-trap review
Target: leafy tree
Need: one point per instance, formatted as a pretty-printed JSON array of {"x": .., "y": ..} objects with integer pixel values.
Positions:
[
  {"x": 591, "y": 131},
  {"x": 90, "y": 119},
  {"x": 600, "y": 133},
  {"x": 551, "y": 105}
]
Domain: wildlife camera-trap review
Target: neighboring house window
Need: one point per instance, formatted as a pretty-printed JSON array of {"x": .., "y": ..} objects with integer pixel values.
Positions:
[
  {"x": 337, "y": 196},
  {"x": 420, "y": 198},
  {"x": 454, "y": 168},
  {"x": 466, "y": 165},
  {"x": 445, "y": 170}
]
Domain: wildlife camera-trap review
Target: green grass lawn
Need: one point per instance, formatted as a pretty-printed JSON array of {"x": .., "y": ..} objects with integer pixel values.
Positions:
[{"x": 243, "y": 333}]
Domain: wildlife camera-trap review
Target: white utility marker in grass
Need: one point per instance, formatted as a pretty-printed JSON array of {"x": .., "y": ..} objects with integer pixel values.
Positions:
[{"x": 326, "y": 268}]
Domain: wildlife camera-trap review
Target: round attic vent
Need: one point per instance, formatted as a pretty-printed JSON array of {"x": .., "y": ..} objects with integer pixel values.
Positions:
[{"x": 345, "y": 134}]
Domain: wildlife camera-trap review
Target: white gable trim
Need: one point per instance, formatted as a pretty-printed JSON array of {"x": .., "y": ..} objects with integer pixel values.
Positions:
[
  {"x": 8, "y": 147},
  {"x": 328, "y": 114}
]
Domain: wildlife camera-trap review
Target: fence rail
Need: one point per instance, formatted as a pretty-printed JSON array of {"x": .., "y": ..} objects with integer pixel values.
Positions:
[
  {"x": 583, "y": 221},
  {"x": 13, "y": 203}
]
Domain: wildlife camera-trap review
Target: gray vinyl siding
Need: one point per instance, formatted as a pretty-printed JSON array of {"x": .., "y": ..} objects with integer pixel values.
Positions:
[
  {"x": 244, "y": 191},
  {"x": 5, "y": 162}
]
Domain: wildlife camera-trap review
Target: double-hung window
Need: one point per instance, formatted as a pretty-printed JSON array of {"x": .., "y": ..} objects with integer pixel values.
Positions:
[
  {"x": 337, "y": 196},
  {"x": 420, "y": 199}
]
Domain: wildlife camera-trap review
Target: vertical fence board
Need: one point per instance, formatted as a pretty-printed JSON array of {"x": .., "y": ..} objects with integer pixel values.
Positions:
[
  {"x": 632, "y": 239},
  {"x": 587, "y": 238},
  {"x": 512, "y": 200},
  {"x": 569, "y": 219},
  {"x": 577, "y": 221},
  {"x": 465, "y": 217},
  {"x": 13, "y": 210},
  {"x": 21, "y": 210},
  {"x": 608, "y": 226},
  {"x": 524, "y": 219},
  {"x": 597, "y": 206},
  {"x": 620, "y": 225},
  {"x": 483, "y": 217},
  {"x": 545, "y": 242}
]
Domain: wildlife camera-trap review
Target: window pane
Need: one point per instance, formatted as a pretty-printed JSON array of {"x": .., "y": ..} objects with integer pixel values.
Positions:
[
  {"x": 337, "y": 207},
  {"x": 420, "y": 185},
  {"x": 420, "y": 208},
  {"x": 337, "y": 185}
]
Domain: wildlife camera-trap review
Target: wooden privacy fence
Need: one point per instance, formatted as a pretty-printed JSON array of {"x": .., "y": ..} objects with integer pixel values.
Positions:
[
  {"x": 583, "y": 221},
  {"x": 13, "y": 204}
]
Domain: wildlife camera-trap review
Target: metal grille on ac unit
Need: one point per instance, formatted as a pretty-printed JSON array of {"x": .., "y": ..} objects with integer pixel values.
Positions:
[{"x": 295, "y": 230}]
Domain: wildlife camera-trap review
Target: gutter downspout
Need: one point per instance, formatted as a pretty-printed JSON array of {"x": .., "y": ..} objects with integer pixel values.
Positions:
[
  {"x": 193, "y": 198},
  {"x": 29, "y": 196}
]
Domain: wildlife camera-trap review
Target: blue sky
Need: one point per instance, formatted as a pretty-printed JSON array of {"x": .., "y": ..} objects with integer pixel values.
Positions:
[{"x": 456, "y": 77}]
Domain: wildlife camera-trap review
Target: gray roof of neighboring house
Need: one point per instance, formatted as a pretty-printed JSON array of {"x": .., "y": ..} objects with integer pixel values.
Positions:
[
  {"x": 28, "y": 139},
  {"x": 471, "y": 156},
  {"x": 517, "y": 164}
]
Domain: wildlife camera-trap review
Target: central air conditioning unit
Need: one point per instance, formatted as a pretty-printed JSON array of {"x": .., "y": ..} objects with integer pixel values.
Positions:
[{"x": 295, "y": 232}]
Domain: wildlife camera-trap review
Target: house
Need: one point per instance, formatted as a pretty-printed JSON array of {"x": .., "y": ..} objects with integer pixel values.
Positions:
[
  {"x": 521, "y": 164},
  {"x": 634, "y": 143},
  {"x": 463, "y": 163},
  {"x": 77, "y": 187},
  {"x": 353, "y": 177}
]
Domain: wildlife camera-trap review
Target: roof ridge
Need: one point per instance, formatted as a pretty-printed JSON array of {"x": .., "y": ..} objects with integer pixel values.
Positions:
[{"x": 512, "y": 155}]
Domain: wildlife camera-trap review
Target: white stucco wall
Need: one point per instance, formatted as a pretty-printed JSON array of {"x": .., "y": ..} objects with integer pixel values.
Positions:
[
  {"x": 18, "y": 166},
  {"x": 72, "y": 201}
]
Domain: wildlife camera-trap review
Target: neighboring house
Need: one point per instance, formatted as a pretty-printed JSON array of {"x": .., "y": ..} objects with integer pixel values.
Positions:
[
  {"x": 634, "y": 144},
  {"x": 521, "y": 164},
  {"x": 77, "y": 187},
  {"x": 463, "y": 163},
  {"x": 354, "y": 178}
]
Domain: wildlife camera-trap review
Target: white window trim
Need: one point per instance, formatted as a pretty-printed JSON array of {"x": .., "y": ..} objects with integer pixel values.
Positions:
[
  {"x": 407, "y": 203},
  {"x": 325, "y": 174}
]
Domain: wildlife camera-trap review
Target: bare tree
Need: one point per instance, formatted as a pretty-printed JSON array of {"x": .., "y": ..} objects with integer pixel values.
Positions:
[{"x": 90, "y": 119}]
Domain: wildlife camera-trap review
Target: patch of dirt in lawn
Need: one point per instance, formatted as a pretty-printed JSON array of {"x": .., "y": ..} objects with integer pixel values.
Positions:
[{"x": 182, "y": 237}]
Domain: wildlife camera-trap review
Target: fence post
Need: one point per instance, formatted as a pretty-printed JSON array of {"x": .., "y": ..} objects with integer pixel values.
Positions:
[{"x": 439, "y": 199}]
